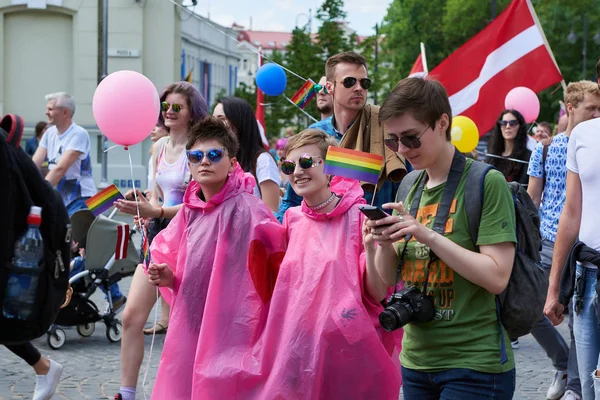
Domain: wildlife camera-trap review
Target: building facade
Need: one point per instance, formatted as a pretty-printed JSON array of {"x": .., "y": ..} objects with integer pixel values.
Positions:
[{"x": 48, "y": 46}]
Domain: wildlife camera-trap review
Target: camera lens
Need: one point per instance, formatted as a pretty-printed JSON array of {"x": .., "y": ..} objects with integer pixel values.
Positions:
[{"x": 395, "y": 316}]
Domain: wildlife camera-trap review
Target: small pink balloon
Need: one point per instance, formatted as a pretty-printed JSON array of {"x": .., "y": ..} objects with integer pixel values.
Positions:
[
  {"x": 525, "y": 101},
  {"x": 126, "y": 107}
]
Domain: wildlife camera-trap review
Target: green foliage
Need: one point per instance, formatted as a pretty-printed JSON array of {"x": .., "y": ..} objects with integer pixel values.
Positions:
[
  {"x": 445, "y": 25},
  {"x": 222, "y": 93},
  {"x": 330, "y": 36}
]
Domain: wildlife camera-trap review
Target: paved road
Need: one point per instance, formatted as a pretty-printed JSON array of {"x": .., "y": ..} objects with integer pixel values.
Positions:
[{"x": 92, "y": 366}]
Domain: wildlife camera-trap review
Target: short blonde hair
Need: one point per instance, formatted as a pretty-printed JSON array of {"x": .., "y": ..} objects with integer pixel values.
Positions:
[
  {"x": 576, "y": 90},
  {"x": 309, "y": 137}
]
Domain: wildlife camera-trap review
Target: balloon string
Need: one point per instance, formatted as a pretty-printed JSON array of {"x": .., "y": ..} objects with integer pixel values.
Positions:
[
  {"x": 234, "y": 39},
  {"x": 114, "y": 147},
  {"x": 305, "y": 113}
]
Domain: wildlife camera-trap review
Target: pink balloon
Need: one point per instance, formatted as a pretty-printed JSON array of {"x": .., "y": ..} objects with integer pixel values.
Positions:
[
  {"x": 126, "y": 107},
  {"x": 525, "y": 101}
]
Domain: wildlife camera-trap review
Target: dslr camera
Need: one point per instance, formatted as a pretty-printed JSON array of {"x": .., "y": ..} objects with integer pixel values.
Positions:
[{"x": 408, "y": 305}]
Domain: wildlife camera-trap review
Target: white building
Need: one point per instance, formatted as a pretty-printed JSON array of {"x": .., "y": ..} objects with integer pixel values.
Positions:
[{"x": 52, "y": 45}]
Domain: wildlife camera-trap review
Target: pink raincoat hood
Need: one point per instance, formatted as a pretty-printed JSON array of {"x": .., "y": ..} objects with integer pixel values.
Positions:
[{"x": 322, "y": 338}]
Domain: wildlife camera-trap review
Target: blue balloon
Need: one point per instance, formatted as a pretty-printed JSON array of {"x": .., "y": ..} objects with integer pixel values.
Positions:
[{"x": 271, "y": 79}]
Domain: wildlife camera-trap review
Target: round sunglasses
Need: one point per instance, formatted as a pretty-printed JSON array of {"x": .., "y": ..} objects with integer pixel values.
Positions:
[
  {"x": 350, "y": 81},
  {"x": 410, "y": 141},
  {"x": 512, "y": 122},
  {"x": 306, "y": 161},
  {"x": 176, "y": 107},
  {"x": 214, "y": 155}
]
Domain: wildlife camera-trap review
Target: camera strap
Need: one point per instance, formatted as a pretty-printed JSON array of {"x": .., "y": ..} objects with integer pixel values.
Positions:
[{"x": 439, "y": 225}]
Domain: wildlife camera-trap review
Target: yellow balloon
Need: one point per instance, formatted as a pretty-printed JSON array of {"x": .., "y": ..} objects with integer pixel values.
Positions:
[{"x": 465, "y": 134}]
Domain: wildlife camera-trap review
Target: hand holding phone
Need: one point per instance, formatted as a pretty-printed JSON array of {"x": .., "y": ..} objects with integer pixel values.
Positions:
[{"x": 373, "y": 213}]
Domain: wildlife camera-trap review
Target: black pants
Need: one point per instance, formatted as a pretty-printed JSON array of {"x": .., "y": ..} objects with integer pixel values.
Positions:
[{"x": 26, "y": 351}]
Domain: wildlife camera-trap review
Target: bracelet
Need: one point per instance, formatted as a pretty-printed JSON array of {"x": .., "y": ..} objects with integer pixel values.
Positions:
[{"x": 162, "y": 212}]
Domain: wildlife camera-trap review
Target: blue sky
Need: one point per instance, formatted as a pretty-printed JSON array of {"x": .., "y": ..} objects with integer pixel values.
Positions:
[{"x": 281, "y": 15}]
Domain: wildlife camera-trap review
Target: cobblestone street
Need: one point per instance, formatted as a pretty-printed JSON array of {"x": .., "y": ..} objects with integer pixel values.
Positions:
[{"x": 92, "y": 366}]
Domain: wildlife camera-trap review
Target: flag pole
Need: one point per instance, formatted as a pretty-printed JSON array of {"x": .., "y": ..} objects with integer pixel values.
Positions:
[
  {"x": 539, "y": 25},
  {"x": 424, "y": 58},
  {"x": 305, "y": 113}
]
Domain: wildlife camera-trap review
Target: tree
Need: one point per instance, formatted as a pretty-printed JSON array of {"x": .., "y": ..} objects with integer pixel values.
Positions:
[{"x": 331, "y": 35}]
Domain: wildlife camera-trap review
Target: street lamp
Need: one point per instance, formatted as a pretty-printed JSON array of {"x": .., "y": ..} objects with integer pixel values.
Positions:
[{"x": 308, "y": 23}]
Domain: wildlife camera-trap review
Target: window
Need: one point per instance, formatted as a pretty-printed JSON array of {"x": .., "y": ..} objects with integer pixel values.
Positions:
[
  {"x": 283, "y": 44},
  {"x": 245, "y": 64},
  {"x": 272, "y": 43}
]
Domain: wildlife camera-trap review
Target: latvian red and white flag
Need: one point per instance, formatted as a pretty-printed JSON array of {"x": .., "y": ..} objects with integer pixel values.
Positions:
[
  {"x": 122, "y": 241},
  {"x": 511, "y": 51},
  {"x": 419, "y": 68}
]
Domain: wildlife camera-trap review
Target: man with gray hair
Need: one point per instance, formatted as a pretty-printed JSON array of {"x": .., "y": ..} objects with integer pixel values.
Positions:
[{"x": 67, "y": 147}]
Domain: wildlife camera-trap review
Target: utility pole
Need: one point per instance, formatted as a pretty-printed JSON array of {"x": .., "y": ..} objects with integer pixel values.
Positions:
[
  {"x": 102, "y": 72},
  {"x": 375, "y": 68},
  {"x": 493, "y": 16}
]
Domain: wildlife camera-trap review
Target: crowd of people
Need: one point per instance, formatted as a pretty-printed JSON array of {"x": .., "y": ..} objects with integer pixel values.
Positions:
[{"x": 272, "y": 281}]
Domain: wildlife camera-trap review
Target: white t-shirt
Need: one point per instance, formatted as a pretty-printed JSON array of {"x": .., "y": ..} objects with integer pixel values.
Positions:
[
  {"x": 582, "y": 159},
  {"x": 266, "y": 170},
  {"x": 531, "y": 143},
  {"x": 77, "y": 181}
]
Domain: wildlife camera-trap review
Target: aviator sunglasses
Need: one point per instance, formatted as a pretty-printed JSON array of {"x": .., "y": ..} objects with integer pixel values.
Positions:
[
  {"x": 512, "y": 122},
  {"x": 317, "y": 88},
  {"x": 306, "y": 161},
  {"x": 176, "y": 107},
  {"x": 196, "y": 156},
  {"x": 350, "y": 81},
  {"x": 410, "y": 141}
]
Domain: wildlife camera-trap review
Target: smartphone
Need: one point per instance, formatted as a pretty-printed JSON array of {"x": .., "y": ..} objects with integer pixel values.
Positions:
[{"x": 373, "y": 213}]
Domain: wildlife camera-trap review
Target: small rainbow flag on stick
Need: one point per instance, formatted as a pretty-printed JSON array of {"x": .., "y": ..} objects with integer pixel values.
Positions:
[
  {"x": 353, "y": 164},
  {"x": 305, "y": 94},
  {"x": 103, "y": 200}
]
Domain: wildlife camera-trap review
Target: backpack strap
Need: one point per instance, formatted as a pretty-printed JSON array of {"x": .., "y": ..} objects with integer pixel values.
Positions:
[
  {"x": 12, "y": 125},
  {"x": 474, "y": 190},
  {"x": 474, "y": 196},
  {"x": 544, "y": 157},
  {"x": 407, "y": 184}
]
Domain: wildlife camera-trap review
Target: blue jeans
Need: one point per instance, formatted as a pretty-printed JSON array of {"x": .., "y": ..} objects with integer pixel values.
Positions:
[
  {"x": 587, "y": 334},
  {"x": 457, "y": 383},
  {"x": 77, "y": 205},
  {"x": 79, "y": 265}
]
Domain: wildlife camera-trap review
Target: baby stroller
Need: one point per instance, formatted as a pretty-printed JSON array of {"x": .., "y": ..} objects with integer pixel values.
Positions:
[{"x": 101, "y": 270}]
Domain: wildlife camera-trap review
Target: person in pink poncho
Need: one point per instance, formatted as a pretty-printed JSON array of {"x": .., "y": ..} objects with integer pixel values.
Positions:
[
  {"x": 323, "y": 339},
  {"x": 216, "y": 265}
]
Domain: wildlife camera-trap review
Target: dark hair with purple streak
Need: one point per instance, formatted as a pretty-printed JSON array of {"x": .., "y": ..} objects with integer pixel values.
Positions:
[{"x": 195, "y": 101}]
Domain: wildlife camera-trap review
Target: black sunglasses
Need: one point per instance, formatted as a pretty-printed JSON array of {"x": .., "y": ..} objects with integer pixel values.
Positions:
[
  {"x": 306, "y": 161},
  {"x": 410, "y": 141},
  {"x": 350, "y": 81},
  {"x": 176, "y": 107},
  {"x": 213, "y": 155},
  {"x": 512, "y": 122}
]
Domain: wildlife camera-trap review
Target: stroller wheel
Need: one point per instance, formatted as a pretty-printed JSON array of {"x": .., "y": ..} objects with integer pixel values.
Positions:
[
  {"x": 86, "y": 330},
  {"x": 57, "y": 339},
  {"x": 114, "y": 332}
]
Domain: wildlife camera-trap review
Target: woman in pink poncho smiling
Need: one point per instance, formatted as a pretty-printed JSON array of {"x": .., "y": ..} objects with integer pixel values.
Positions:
[
  {"x": 323, "y": 339},
  {"x": 216, "y": 264}
]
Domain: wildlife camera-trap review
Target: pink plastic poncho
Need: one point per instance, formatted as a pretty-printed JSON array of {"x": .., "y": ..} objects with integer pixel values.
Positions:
[
  {"x": 323, "y": 339},
  {"x": 225, "y": 255}
]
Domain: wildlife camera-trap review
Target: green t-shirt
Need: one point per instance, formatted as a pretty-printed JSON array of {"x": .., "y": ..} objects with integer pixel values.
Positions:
[{"x": 465, "y": 332}]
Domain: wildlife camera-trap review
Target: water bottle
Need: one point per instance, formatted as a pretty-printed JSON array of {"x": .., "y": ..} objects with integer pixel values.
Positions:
[{"x": 22, "y": 284}]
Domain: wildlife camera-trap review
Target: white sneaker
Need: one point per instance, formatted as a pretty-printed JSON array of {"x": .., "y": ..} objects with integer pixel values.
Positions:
[
  {"x": 557, "y": 388},
  {"x": 571, "y": 395},
  {"x": 515, "y": 344},
  {"x": 45, "y": 385}
]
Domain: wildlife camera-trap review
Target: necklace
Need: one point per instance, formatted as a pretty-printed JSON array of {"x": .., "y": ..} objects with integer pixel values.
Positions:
[{"x": 324, "y": 204}]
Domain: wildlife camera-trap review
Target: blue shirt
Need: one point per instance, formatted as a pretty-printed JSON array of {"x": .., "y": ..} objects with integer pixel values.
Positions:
[
  {"x": 386, "y": 194},
  {"x": 555, "y": 188},
  {"x": 31, "y": 146}
]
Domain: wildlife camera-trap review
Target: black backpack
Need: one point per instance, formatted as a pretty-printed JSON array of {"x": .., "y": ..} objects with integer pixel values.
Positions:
[
  {"x": 24, "y": 186},
  {"x": 521, "y": 304}
]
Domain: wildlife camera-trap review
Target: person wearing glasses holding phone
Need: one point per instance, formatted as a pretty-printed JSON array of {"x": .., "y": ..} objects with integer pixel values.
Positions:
[
  {"x": 354, "y": 124},
  {"x": 456, "y": 352},
  {"x": 508, "y": 144},
  {"x": 216, "y": 263},
  {"x": 182, "y": 105}
]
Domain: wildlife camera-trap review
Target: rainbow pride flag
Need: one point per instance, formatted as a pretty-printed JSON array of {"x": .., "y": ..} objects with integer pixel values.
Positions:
[
  {"x": 305, "y": 94},
  {"x": 103, "y": 200},
  {"x": 145, "y": 248},
  {"x": 353, "y": 164}
]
